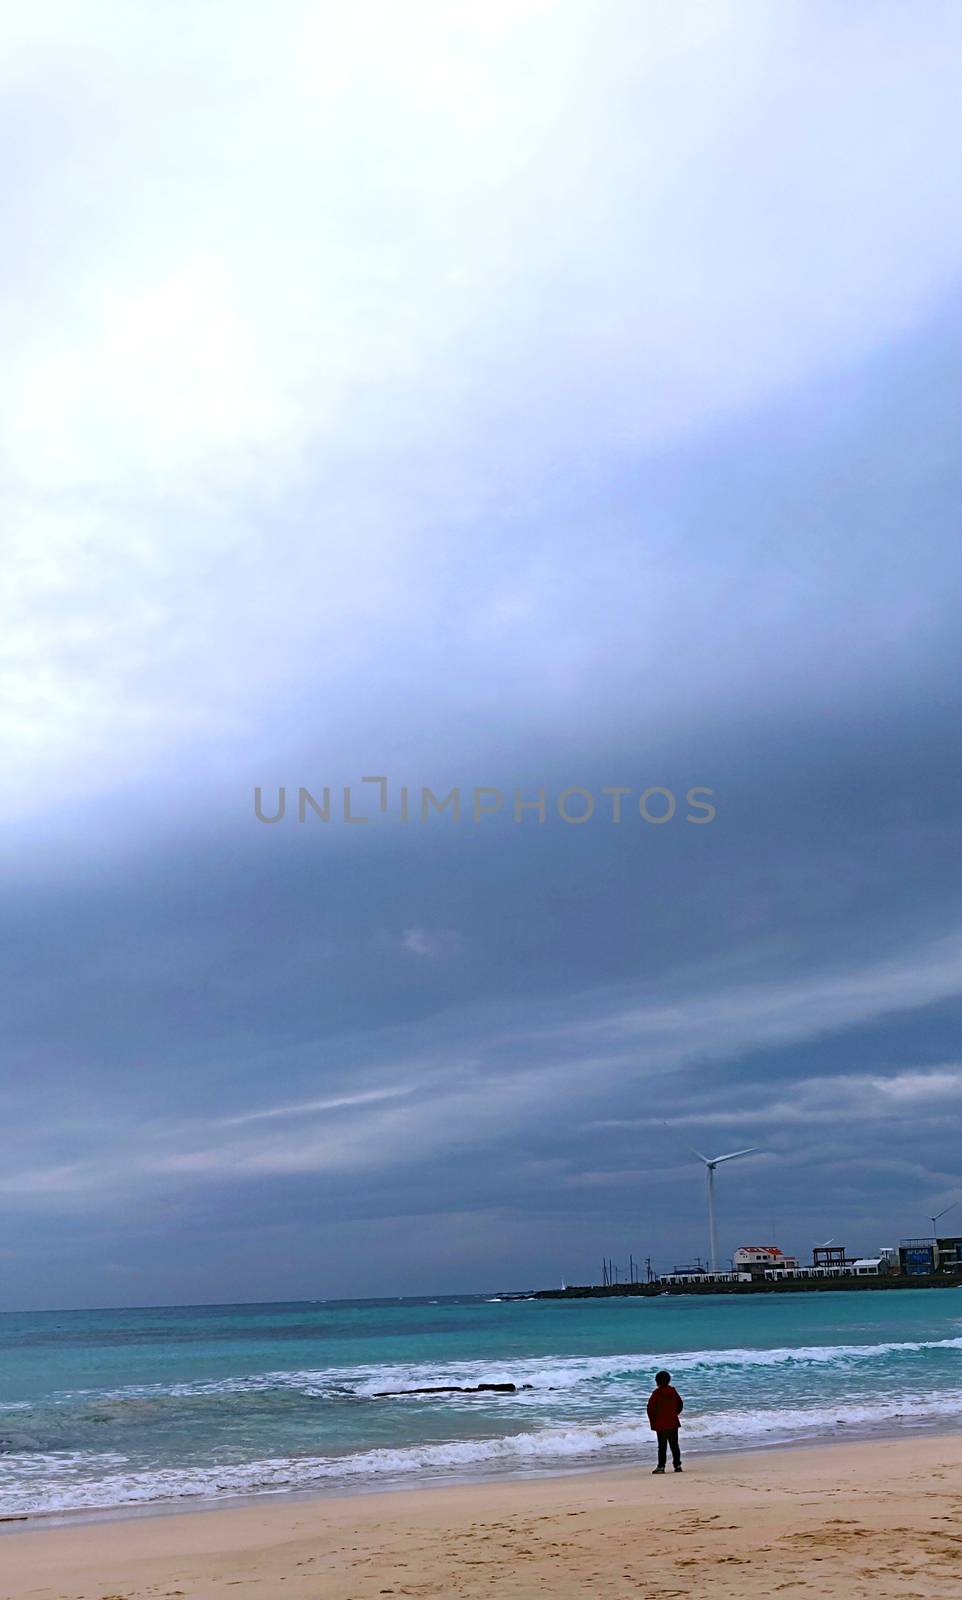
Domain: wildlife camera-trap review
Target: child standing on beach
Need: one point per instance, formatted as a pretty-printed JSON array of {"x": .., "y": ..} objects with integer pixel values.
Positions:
[{"x": 665, "y": 1406}]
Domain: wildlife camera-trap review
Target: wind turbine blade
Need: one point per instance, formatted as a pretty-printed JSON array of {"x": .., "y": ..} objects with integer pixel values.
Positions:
[
  {"x": 698, "y": 1154},
  {"x": 733, "y": 1154}
]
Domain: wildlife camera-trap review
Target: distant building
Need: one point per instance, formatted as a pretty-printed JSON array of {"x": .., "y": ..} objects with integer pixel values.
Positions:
[
  {"x": 917, "y": 1257},
  {"x": 920, "y": 1256},
  {"x": 829, "y": 1255},
  {"x": 869, "y": 1266},
  {"x": 756, "y": 1257},
  {"x": 701, "y": 1275}
]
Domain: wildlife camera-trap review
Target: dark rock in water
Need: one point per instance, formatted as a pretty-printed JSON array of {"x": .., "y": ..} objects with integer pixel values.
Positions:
[{"x": 454, "y": 1388}]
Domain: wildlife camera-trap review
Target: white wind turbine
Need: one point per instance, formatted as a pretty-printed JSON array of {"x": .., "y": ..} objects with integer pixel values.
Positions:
[{"x": 711, "y": 1162}]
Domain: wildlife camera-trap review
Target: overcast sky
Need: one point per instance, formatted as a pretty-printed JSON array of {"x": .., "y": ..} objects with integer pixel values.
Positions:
[{"x": 498, "y": 396}]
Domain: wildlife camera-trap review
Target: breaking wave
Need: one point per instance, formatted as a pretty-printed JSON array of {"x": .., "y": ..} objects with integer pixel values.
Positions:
[{"x": 541, "y": 1450}]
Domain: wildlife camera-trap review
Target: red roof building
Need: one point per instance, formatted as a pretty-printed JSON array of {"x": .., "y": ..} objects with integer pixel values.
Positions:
[{"x": 761, "y": 1255}]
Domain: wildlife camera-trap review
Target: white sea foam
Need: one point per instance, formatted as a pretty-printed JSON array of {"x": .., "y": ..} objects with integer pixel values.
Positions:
[
  {"x": 63, "y": 1482},
  {"x": 540, "y": 1372},
  {"x": 578, "y": 1410}
]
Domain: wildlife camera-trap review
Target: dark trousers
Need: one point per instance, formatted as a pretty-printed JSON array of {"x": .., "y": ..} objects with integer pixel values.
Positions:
[{"x": 668, "y": 1440}]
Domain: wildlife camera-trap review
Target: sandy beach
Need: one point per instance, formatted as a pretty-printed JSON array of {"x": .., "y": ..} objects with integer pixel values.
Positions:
[{"x": 844, "y": 1519}]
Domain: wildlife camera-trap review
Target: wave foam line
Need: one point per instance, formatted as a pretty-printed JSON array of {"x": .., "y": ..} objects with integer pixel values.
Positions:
[
  {"x": 68, "y": 1490},
  {"x": 554, "y": 1372}
]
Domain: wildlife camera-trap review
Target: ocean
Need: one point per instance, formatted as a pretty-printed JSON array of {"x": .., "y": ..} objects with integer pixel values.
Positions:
[{"x": 107, "y": 1409}]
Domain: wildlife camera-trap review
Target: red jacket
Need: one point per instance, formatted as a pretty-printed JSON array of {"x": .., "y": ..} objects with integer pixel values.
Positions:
[{"x": 664, "y": 1408}]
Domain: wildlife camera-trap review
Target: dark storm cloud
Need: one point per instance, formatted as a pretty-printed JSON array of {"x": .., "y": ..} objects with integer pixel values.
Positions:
[{"x": 684, "y": 533}]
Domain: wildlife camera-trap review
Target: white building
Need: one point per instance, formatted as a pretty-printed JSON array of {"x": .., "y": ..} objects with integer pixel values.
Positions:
[
  {"x": 705, "y": 1277},
  {"x": 869, "y": 1266}
]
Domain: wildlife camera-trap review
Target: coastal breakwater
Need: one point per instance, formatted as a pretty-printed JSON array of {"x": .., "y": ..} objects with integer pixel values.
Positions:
[{"x": 608, "y": 1291}]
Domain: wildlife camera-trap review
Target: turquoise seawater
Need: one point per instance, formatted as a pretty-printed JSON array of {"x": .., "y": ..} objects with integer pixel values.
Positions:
[{"x": 114, "y": 1408}]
